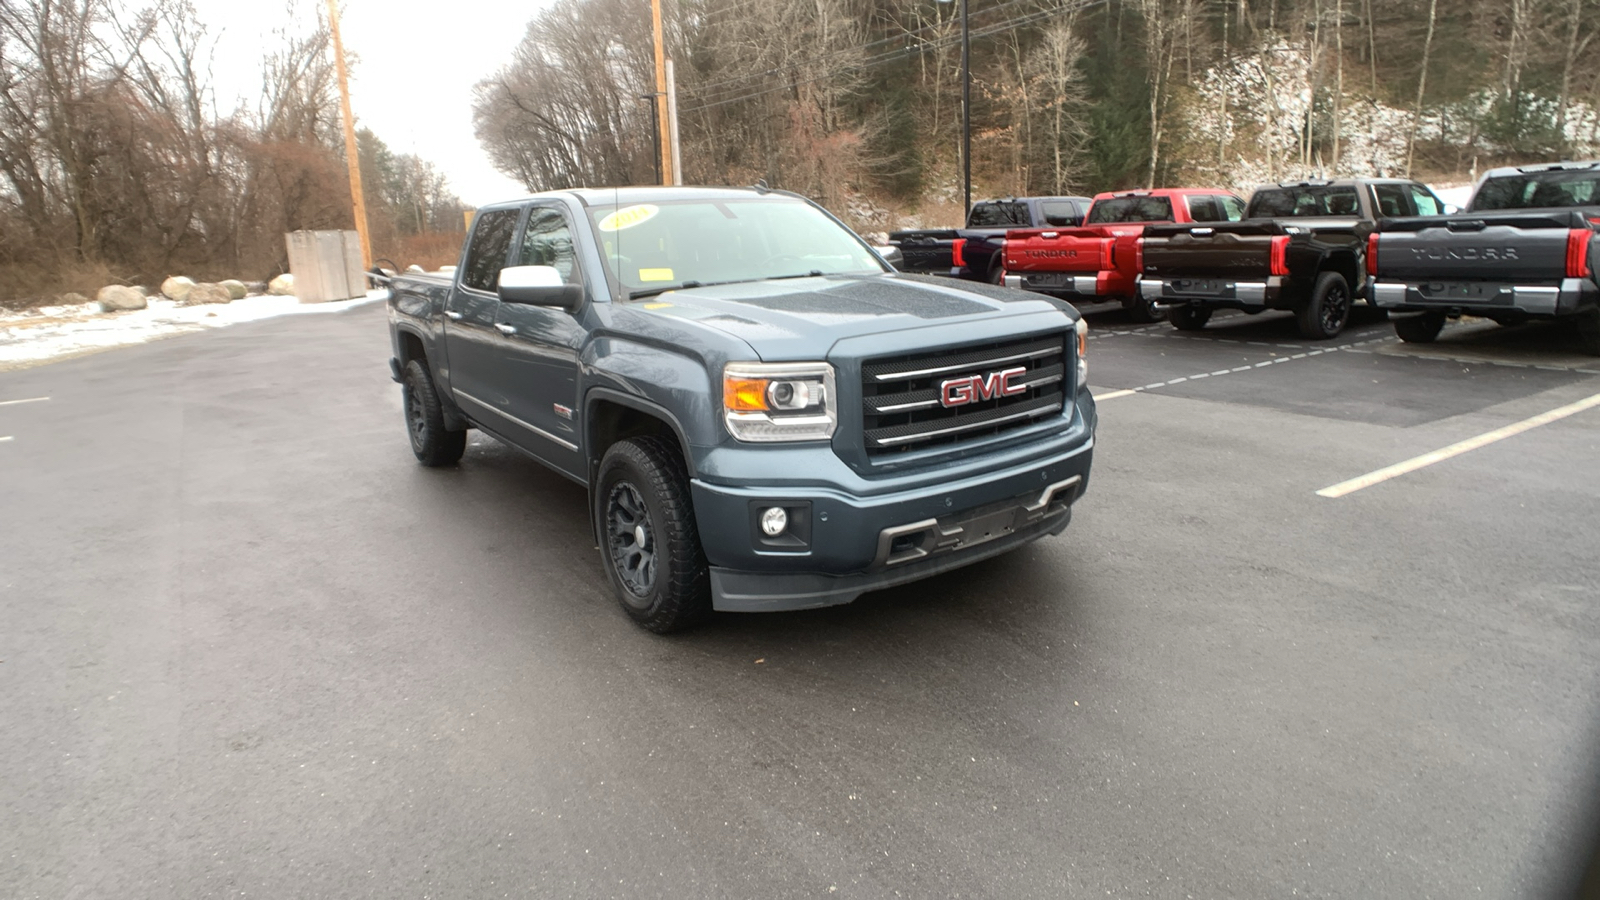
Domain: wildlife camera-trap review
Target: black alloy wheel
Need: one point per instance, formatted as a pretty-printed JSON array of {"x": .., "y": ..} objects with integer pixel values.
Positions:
[
  {"x": 1188, "y": 318},
  {"x": 1325, "y": 315},
  {"x": 1419, "y": 329},
  {"x": 631, "y": 542}
]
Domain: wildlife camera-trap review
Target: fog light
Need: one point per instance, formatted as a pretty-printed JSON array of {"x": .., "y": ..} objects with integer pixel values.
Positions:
[{"x": 773, "y": 521}]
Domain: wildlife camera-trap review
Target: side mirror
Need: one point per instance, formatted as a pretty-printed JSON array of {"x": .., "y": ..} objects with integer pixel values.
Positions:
[
  {"x": 1451, "y": 209},
  {"x": 538, "y": 286}
]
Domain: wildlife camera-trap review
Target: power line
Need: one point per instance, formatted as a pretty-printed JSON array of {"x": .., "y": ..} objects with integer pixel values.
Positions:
[{"x": 893, "y": 55}]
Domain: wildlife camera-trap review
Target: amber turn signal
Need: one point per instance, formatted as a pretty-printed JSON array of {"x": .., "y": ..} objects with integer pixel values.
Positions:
[{"x": 744, "y": 394}]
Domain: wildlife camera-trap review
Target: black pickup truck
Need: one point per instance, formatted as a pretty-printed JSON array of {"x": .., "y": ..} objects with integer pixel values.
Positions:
[
  {"x": 1527, "y": 247},
  {"x": 973, "y": 252},
  {"x": 765, "y": 415},
  {"x": 1299, "y": 248}
]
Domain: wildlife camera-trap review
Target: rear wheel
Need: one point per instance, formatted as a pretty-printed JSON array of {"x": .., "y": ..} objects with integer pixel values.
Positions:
[
  {"x": 1419, "y": 329},
  {"x": 431, "y": 441},
  {"x": 1328, "y": 310},
  {"x": 997, "y": 271},
  {"x": 1589, "y": 331},
  {"x": 1188, "y": 318},
  {"x": 1143, "y": 310},
  {"x": 649, "y": 539}
]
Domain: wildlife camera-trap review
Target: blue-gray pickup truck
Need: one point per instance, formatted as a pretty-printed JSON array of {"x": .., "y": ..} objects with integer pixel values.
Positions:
[
  {"x": 1526, "y": 247},
  {"x": 766, "y": 416}
]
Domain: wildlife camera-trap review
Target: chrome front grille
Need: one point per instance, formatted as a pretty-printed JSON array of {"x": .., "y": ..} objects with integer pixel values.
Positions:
[{"x": 907, "y": 401}]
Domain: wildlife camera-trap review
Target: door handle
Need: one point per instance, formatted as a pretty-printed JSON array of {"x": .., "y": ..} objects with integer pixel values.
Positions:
[
  {"x": 452, "y": 315},
  {"x": 503, "y": 328}
]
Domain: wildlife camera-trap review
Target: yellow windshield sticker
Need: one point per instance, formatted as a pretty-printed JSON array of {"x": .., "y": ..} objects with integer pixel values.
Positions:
[
  {"x": 658, "y": 306},
  {"x": 629, "y": 216},
  {"x": 655, "y": 275}
]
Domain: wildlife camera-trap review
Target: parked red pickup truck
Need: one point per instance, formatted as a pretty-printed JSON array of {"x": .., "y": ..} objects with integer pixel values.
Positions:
[{"x": 1100, "y": 260}]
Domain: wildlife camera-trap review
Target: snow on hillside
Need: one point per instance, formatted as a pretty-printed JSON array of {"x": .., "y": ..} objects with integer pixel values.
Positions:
[{"x": 56, "y": 332}]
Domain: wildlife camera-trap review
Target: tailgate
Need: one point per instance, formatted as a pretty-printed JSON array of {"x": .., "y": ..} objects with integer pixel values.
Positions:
[
  {"x": 925, "y": 251},
  {"x": 1057, "y": 250},
  {"x": 1233, "y": 249},
  {"x": 1468, "y": 248}
]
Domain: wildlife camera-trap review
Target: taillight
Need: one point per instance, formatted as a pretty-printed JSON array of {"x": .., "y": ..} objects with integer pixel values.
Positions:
[
  {"x": 1138, "y": 256},
  {"x": 1108, "y": 253},
  {"x": 1578, "y": 252},
  {"x": 1372, "y": 253},
  {"x": 957, "y": 252},
  {"x": 1280, "y": 255}
]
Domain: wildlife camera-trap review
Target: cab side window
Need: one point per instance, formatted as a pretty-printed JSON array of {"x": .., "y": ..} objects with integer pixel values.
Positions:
[
  {"x": 1232, "y": 208},
  {"x": 547, "y": 241},
  {"x": 1203, "y": 208},
  {"x": 1427, "y": 203},
  {"x": 491, "y": 242}
]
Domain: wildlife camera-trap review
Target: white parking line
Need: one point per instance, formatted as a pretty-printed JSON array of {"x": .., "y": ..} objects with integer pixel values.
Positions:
[
  {"x": 4, "y": 439},
  {"x": 1112, "y": 395},
  {"x": 1456, "y": 449},
  {"x": 29, "y": 400}
]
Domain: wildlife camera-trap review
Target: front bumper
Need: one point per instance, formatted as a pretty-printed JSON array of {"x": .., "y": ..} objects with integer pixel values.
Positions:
[
  {"x": 854, "y": 542},
  {"x": 1484, "y": 298},
  {"x": 1219, "y": 293}
]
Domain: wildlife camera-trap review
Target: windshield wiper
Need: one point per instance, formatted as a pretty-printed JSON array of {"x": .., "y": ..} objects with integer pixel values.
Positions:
[
  {"x": 652, "y": 291},
  {"x": 814, "y": 273}
]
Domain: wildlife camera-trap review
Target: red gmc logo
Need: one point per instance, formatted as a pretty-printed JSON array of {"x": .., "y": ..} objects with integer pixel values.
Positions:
[{"x": 972, "y": 388}]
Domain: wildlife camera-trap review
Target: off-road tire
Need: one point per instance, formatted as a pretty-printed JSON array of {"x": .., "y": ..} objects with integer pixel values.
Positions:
[
  {"x": 1328, "y": 310},
  {"x": 1142, "y": 310},
  {"x": 1588, "y": 323},
  {"x": 1188, "y": 318},
  {"x": 1419, "y": 329},
  {"x": 431, "y": 441},
  {"x": 677, "y": 591},
  {"x": 997, "y": 271}
]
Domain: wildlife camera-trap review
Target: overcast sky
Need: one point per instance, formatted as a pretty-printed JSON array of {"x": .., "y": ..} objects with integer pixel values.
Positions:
[{"x": 413, "y": 72}]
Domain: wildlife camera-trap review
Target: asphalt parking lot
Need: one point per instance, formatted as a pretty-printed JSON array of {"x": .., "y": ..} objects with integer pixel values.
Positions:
[{"x": 250, "y": 648}]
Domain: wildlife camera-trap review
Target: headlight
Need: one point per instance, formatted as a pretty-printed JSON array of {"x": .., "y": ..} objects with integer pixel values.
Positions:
[
  {"x": 1083, "y": 348},
  {"x": 779, "y": 401}
]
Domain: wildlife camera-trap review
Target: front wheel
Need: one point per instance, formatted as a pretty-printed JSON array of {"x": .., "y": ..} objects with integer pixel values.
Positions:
[
  {"x": 1188, "y": 318},
  {"x": 1419, "y": 329},
  {"x": 431, "y": 441},
  {"x": 649, "y": 539},
  {"x": 1328, "y": 310}
]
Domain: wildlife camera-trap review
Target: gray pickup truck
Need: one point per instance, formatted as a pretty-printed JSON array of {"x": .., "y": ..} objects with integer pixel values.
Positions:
[
  {"x": 766, "y": 416},
  {"x": 1525, "y": 248}
]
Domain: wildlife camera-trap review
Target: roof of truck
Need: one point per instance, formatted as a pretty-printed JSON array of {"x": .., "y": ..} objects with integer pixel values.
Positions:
[
  {"x": 1541, "y": 167},
  {"x": 1163, "y": 192},
  {"x": 643, "y": 194}
]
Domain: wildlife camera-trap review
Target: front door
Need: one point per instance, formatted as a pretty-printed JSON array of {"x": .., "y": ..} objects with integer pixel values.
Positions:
[
  {"x": 470, "y": 338},
  {"x": 540, "y": 344}
]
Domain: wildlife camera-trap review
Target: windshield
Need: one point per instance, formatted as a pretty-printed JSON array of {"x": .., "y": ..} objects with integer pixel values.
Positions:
[
  {"x": 1303, "y": 202},
  {"x": 1130, "y": 209},
  {"x": 656, "y": 246},
  {"x": 1540, "y": 190}
]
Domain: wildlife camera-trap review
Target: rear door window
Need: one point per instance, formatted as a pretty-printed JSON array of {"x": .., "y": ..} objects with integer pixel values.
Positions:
[
  {"x": 1391, "y": 200},
  {"x": 491, "y": 245},
  {"x": 999, "y": 215},
  {"x": 1130, "y": 209}
]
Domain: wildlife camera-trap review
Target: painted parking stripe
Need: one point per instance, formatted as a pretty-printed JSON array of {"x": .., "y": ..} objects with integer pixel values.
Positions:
[
  {"x": 1456, "y": 449},
  {"x": 4, "y": 439},
  {"x": 29, "y": 400},
  {"x": 1112, "y": 395}
]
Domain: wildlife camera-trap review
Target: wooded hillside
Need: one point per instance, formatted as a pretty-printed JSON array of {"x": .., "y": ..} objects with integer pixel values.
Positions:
[{"x": 857, "y": 102}]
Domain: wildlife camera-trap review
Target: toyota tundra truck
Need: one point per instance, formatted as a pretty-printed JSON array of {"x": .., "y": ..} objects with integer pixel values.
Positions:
[
  {"x": 973, "y": 252},
  {"x": 1525, "y": 248},
  {"x": 1299, "y": 248},
  {"x": 766, "y": 416},
  {"x": 1102, "y": 259}
]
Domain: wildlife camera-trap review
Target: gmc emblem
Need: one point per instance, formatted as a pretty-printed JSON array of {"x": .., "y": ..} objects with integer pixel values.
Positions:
[{"x": 955, "y": 392}]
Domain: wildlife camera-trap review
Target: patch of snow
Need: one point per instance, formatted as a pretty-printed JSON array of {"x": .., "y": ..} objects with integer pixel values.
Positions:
[{"x": 57, "y": 331}]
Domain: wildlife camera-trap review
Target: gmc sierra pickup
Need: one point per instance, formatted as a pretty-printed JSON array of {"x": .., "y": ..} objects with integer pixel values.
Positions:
[
  {"x": 765, "y": 415},
  {"x": 1526, "y": 247},
  {"x": 973, "y": 252},
  {"x": 1102, "y": 259},
  {"x": 1299, "y": 248}
]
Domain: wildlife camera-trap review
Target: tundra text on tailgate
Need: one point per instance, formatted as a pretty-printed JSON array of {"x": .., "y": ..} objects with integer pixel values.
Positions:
[
  {"x": 1525, "y": 248},
  {"x": 766, "y": 416}
]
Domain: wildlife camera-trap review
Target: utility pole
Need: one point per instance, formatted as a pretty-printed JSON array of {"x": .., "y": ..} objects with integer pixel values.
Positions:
[
  {"x": 663, "y": 142},
  {"x": 966, "y": 113},
  {"x": 352, "y": 156},
  {"x": 672, "y": 124}
]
